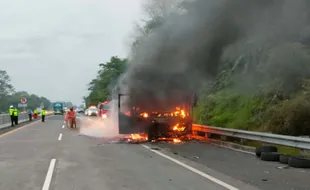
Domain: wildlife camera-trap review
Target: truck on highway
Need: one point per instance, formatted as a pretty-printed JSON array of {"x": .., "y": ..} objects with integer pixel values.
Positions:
[
  {"x": 58, "y": 108},
  {"x": 103, "y": 109},
  {"x": 174, "y": 120}
]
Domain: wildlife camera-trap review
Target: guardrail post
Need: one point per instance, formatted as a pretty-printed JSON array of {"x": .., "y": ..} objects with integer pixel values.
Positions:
[
  {"x": 305, "y": 153},
  {"x": 208, "y": 135},
  {"x": 223, "y": 138},
  {"x": 243, "y": 141}
]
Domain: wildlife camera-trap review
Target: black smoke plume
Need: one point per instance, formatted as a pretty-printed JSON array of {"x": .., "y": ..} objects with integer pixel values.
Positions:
[{"x": 188, "y": 49}]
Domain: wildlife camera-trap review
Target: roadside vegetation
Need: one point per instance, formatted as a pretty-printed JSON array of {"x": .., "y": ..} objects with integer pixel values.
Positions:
[
  {"x": 8, "y": 95},
  {"x": 261, "y": 81},
  {"x": 101, "y": 87}
]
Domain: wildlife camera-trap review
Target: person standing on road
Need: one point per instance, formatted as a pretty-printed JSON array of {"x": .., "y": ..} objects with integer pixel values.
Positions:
[
  {"x": 11, "y": 112},
  {"x": 35, "y": 112},
  {"x": 43, "y": 113},
  {"x": 30, "y": 114},
  {"x": 71, "y": 116},
  {"x": 15, "y": 115}
]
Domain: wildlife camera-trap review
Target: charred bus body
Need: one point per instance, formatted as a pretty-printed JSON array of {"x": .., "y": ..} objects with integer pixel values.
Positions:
[{"x": 158, "y": 119}]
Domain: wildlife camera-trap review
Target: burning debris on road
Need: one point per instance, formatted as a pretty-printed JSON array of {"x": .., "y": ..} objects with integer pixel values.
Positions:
[{"x": 135, "y": 138}]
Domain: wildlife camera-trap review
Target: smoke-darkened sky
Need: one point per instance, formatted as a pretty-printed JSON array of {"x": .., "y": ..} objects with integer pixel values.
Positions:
[
  {"x": 187, "y": 50},
  {"x": 53, "y": 47}
]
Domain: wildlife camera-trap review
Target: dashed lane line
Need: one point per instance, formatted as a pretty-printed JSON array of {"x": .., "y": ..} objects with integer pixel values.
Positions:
[
  {"x": 49, "y": 175},
  {"x": 60, "y": 136}
]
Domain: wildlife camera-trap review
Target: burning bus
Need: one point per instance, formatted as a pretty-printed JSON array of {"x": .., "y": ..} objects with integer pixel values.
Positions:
[{"x": 171, "y": 119}]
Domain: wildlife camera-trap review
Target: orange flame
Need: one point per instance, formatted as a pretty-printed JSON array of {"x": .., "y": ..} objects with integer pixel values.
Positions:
[
  {"x": 145, "y": 115},
  {"x": 177, "y": 127},
  {"x": 138, "y": 137},
  {"x": 175, "y": 140}
]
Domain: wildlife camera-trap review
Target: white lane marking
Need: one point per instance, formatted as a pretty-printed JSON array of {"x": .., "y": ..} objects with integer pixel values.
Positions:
[
  {"x": 214, "y": 143},
  {"x": 219, "y": 182},
  {"x": 22, "y": 127},
  {"x": 49, "y": 175},
  {"x": 234, "y": 149},
  {"x": 60, "y": 136},
  {"x": 63, "y": 126}
]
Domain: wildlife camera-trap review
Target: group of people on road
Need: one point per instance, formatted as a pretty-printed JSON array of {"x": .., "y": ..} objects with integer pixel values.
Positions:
[
  {"x": 13, "y": 111},
  {"x": 70, "y": 115},
  {"x": 34, "y": 114}
]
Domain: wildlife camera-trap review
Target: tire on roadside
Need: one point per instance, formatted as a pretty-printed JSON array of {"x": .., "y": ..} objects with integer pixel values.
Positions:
[
  {"x": 261, "y": 149},
  {"x": 284, "y": 159},
  {"x": 299, "y": 162},
  {"x": 270, "y": 156}
]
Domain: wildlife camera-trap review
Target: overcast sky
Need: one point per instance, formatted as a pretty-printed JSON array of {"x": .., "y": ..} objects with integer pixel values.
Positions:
[{"x": 53, "y": 48}]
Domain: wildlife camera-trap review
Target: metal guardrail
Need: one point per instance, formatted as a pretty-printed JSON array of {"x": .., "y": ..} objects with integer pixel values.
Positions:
[
  {"x": 5, "y": 118},
  {"x": 291, "y": 141}
]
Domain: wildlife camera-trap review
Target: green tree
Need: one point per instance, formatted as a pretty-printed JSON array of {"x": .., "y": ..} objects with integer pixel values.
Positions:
[
  {"x": 9, "y": 97},
  {"x": 6, "y": 88},
  {"x": 100, "y": 88},
  {"x": 33, "y": 101}
]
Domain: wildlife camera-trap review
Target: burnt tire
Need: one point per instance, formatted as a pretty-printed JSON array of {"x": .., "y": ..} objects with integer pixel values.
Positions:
[
  {"x": 261, "y": 149},
  {"x": 299, "y": 162},
  {"x": 270, "y": 156},
  {"x": 151, "y": 135},
  {"x": 284, "y": 159}
]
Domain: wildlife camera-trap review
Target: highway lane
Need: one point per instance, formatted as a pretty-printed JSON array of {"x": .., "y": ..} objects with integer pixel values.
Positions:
[
  {"x": 25, "y": 155},
  {"x": 83, "y": 162},
  {"x": 93, "y": 163},
  {"x": 242, "y": 166}
]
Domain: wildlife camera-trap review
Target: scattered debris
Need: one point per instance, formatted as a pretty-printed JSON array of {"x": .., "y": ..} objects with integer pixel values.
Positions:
[
  {"x": 155, "y": 148},
  {"x": 283, "y": 167}
]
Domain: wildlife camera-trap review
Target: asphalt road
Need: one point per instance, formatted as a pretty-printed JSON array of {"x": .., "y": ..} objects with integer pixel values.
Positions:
[
  {"x": 48, "y": 156},
  {"x": 242, "y": 166}
]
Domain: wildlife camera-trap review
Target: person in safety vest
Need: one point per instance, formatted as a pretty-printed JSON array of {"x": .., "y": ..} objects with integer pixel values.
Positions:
[
  {"x": 11, "y": 112},
  {"x": 70, "y": 115},
  {"x": 43, "y": 113},
  {"x": 15, "y": 115},
  {"x": 35, "y": 112}
]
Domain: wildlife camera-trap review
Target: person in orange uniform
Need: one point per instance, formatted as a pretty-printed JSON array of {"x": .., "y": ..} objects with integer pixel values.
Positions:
[{"x": 71, "y": 116}]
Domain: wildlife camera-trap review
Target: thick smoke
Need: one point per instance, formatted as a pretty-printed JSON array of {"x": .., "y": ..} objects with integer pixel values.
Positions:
[
  {"x": 95, "y": 127},
  {"x": 188, "y": 49}
]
